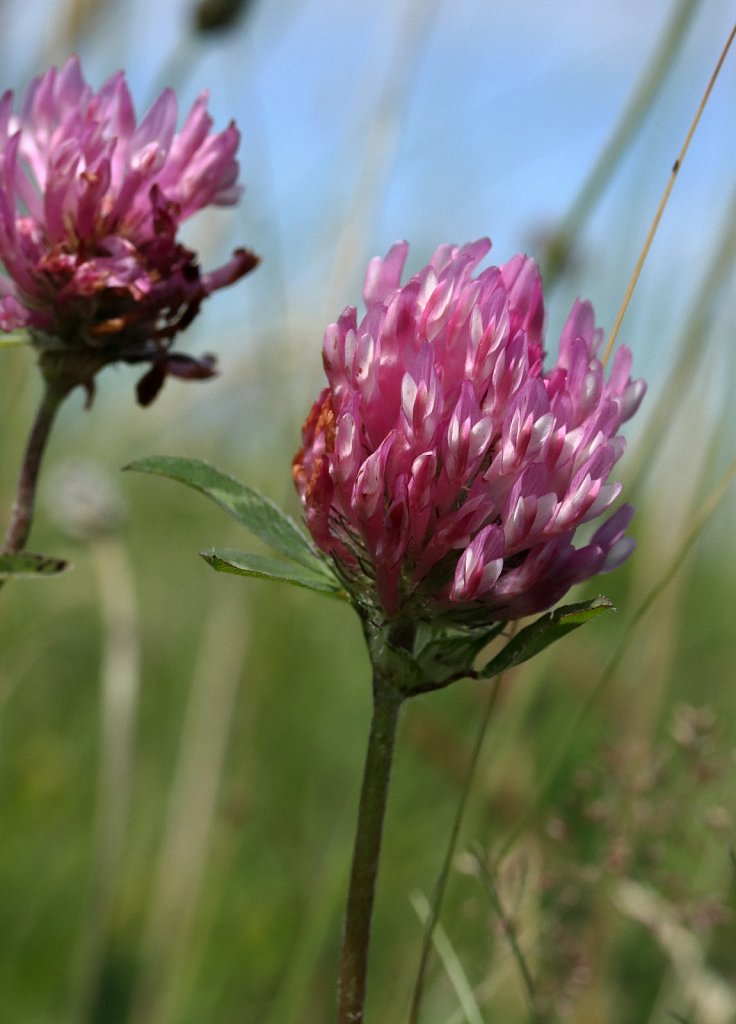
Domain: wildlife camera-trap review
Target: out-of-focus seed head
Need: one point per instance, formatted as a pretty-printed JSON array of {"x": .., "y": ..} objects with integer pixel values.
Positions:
[{"x": 84, "y": 500}]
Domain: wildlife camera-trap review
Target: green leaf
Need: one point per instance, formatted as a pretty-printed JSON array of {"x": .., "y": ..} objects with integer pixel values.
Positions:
[
  {"x": 544, "y": 631},
  {"x": 263, "y": 567},
  {"x": 24, "y": 563},
  {"x": 262, "y": 516}
]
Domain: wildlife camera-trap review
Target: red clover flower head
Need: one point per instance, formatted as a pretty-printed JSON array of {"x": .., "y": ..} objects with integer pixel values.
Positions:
[
  {"x": 444, "y": 470},
  {"x": 90, "y": 206}
]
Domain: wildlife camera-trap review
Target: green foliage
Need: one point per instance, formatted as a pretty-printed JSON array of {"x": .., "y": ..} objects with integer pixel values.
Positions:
[
  {"x": 447, "y": 652},
  {"x": 545, "y": 630},
  {"x": 440, "y": 654},
  {"x": 266, "y": 568},
  {"x": 261, "y": 516},
  {"x": 265, "y": 913},
  {"x": 279, "y": 844},
  {"x": 12, "y": 339}
]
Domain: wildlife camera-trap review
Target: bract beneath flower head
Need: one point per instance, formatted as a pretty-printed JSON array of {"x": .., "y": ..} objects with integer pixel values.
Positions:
[
  {"x": 90, "y": 206},
  {"x": 443, "y": 469}
]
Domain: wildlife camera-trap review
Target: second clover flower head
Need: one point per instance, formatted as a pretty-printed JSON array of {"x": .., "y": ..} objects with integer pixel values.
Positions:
[
  {"x": 90, "y": 206},
  {"x": 444, "y": 469}
]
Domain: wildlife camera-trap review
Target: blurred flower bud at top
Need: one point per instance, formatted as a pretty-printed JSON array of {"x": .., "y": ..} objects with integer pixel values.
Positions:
[
  {"x": 84, "y": 501},
  {"x": 214, "y": 15}
]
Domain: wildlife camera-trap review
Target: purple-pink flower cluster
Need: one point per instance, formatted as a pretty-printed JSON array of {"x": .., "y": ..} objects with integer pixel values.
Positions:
[
  {"x": 90, "y": 205},
  {"x": 444, "y": 469}
]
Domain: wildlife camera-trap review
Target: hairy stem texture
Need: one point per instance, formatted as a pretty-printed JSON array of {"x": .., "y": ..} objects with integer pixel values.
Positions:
[
  {"x": 21, "y": 516},
  {"x": 356, "y": 936}
]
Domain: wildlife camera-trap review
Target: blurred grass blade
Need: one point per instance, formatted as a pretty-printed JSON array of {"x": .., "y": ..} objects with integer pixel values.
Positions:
[
  {"x": 508, "y": 928},
  {"x": 700, "y": 518},
  {"x": 120, "y": 680},
  {"x": 263, "y": 567},
  {"x": 170, "y": 939},
  {"x": 259, "y": 514},
  {"x": 640, "y": 103},
  {"x": 680, "y": 159},
  {"x": 544, "y": 631},
  {"x": 24, "y": 563},
  {"x": 434, "y": 907},
  {"x": 690, "y": 349},
  {"x": 451, "y": 963},
  {"x": 314, "y": 930}
]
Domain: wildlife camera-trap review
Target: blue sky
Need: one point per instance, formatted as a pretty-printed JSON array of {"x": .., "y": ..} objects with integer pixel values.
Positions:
[{"x": 367, "y": 122}]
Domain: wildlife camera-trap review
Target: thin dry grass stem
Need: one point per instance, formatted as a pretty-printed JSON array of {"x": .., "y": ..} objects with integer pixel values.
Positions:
[
  {"x": 382, "y": 139},
  {"x": 509, "y": 930},
  {"x": 451, "y": 962},
  {"x": 701, "y": 517},
  {"x": 672, "y": 495},
  {"x": 120, "y": 686},
  {"x": 694, "y": 530},
  {"x": 435, "y": 907},
  {"x": 690, "y": 348},
  {"x": 663, "y": 201},
  {"x": 189, "y": 821},
  {"x": 636, "y": 110}
]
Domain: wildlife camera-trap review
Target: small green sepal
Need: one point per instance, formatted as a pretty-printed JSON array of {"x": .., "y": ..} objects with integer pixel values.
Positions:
[
  {"x": 418, "y": 657},
  {"x": 448, "y": 653}
]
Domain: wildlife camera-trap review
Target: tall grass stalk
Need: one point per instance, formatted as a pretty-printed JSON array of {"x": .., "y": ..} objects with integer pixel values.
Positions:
[
  {"x": 508, "y": 928},
  {"x": 690, "y": 350},
  {"x": 624, "y": 133},
  {"x": 664, "y": 200},
  {"x": 191, "y": 813},
  {"x": 120, "y": 685},
  {"x": 451, "y": 962}
]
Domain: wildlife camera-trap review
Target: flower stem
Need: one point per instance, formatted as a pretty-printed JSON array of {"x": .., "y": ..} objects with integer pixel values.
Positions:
[
  {"x": 387, "y": 701},
  {"x": 21, "y": 516}
]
